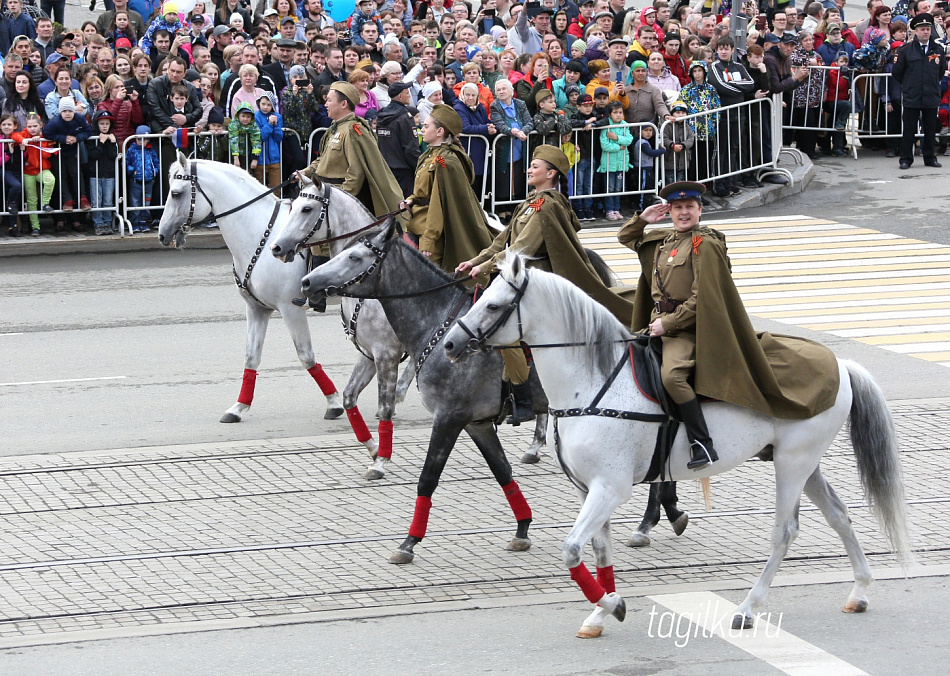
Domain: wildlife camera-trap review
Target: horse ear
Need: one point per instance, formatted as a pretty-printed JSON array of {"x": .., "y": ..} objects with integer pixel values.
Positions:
[
  {"x": 183, "y": 163},
  {"x": 515, "y": 264},
  {"x": 304, "y": 181}
]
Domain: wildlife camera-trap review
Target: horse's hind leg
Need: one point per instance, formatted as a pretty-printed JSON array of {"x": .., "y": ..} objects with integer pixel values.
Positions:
[
  {"x": 296, "y": 320},
  {"x": 486, "y": 438},
  {"x": 651, "y": 517},
  {"x": 405, "y": 380},
  {"x": 257, "y": 318},
  {"x": 599, "y": 504},
  {"x": 362, "y": 375},
  {"x": 387, "y": 372},
  {"x": 445, "y": 432},
  {"x": 789, "y": 482},
  {"x": 540, "y": 408},
  {"x": 835, "y": 512},
  {"x": 677, "y": 517}
]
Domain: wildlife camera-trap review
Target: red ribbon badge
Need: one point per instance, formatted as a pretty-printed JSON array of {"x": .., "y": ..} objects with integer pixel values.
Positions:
[
  {"x": 537, "y": 203},
  {"x": 441, "y": 160},
  {"x": 697, "y": 240},
  {"x": 356, "y": 128}
]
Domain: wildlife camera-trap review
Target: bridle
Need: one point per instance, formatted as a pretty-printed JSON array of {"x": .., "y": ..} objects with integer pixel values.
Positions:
[
  {"x": 324, "y": 200},
  {"x": 380, "y": 257},
  {"x": 477, "y": 340}
]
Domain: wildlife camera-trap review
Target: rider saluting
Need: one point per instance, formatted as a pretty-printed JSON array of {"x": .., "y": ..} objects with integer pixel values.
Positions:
[{"x": 687, "y": 297}]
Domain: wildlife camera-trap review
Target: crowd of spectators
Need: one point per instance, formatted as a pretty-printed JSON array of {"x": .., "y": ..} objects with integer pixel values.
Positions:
[{"x": 251, "y": 79}]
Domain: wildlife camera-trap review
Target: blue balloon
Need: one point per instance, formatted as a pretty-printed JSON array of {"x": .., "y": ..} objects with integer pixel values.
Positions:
[{"x": 340, "y": 10}]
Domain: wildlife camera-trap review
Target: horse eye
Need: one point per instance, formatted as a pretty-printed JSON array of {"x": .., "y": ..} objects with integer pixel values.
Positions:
[
  {"x": 493, "y": 308},
  {"x": 176, "y": 194},
  {"x": 354, "y": 257},
  {"x": 307, "y": 210}
]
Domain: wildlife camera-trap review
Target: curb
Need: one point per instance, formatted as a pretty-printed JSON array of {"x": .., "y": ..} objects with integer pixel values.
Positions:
[{"x": 51, "y": 245}]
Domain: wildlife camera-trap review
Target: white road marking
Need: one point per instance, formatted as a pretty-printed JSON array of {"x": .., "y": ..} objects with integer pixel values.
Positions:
[
  {"x": 11, "y": 334},
  {"x": 766, "y": 641},
  {"x": 66, "y": 380}
]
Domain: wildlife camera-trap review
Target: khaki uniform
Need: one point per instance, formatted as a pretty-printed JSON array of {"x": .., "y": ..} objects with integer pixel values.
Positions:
[{"x": 427, "y": 229}]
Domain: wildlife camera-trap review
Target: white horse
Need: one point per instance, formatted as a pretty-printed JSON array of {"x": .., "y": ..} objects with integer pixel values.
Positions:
[
  {"x": 605, "y": 456},
  {"x": 200, "y": 189}
]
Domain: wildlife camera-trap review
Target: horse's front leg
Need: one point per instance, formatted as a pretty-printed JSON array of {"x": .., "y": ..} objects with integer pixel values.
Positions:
[
  {"x": 257, "y": 318},
  {"x": 445, "y": 432},
  {"x": 405, "y": 380},
  {"x": 296, "y": 320},
  {"x": 363, "y": 372},
  {"x": 601, "y": 501},
  {"x": 540, "y": 407},
  {"x": 387, "y": 372},
  {"x": 486, "y": 438},
  {"x": 603, "y": 558}
]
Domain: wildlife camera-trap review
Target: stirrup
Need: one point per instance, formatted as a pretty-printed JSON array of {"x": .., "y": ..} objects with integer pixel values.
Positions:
[{"x": 702, "y": 458}]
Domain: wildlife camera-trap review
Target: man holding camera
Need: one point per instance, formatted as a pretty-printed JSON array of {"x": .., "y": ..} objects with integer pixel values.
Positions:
[{"x": 921, "y": 63}]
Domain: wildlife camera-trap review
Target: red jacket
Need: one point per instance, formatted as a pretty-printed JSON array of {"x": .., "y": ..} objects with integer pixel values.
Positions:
[
  {"x": 679, "y": 67},
  {"x": 839, "y": 87},
  {"x": 33, "y": 159},
  {"x": 126, "y": 114}
]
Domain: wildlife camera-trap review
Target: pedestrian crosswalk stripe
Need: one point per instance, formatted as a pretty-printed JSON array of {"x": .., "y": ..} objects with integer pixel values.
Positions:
[{"x": 874, "y": 287}]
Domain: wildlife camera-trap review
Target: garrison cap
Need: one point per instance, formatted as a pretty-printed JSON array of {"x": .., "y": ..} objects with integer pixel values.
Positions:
[
  {"x": 553, "y": 156},
  {"x": 448, "y": 118},
  {"x": 542, "y": 94},
  {"x": 350, "y": 92},
  {"x": 683, "y": 190}
]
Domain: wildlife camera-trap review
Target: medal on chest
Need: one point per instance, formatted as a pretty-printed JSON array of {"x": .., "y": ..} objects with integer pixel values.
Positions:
[
  {"x": 672, "y": 256},
  {"x": 534, "y": 206}
]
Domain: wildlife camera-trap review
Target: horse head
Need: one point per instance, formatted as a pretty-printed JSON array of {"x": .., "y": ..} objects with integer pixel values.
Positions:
[
  {"x": 352, "y": 270},
  {"x": 489, "y": 321},
  {"x": 307, "y": 223},
  {"x": 186, "y": 202}
]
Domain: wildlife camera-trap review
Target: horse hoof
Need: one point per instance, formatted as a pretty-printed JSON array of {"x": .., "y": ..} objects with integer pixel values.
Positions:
[
  {"x": 590, "y": 632},
  {"x": 230, "y": 418},
  {"x": 679, "y": 526},
  {"x": 333, "y": 413},
  {"x": 372, "y": 474},
  {"x": 639, "y": 540},
  {"x": 742, "y": 622},
  {"x": 530, "y": 458},
  {"x": 620, "y": 612},
  {"x": 855, "y": 606},
  {"x": 519, "y": 545},
  {"x": 401, "y": 556}
]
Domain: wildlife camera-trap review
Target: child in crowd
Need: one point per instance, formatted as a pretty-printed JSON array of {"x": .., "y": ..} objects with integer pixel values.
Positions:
[
  {"x": 271, "y": 124},
  {"x": 838, "y": 102},
  {"x": 141, "y": 162},
  {"x": 215, "y": 146},
  {"x": 11, "y": 173},
  {"x": 679, "y": 138},
  {"x": 167, "y": 21},
  {"x": 643, "y": 154},
  {"x": 36, "y": 167},
  {"x": 548, "y": 122},
  {"x": 572, "y": 92},
  {"x": 180, "y": 101},
  {"x": 615, "y": 141},
  {"x": 588, "y": 147},
  {"x": 121, "y": 28},
  {"x": 244, "y": 138},
  {"x": 70, "y": 131},
  {"x": 102, "y": 150}
]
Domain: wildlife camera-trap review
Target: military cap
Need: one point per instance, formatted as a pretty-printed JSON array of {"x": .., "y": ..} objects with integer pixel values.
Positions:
[
  {"x": 553, "y": 156},
  {"x": 350, "y": 92},
  {"x": 683, "y": 190},
  {"x": 448, "y": 118},
  {"x": 922, "y": 19},
  {"x": 542, "y": 94}
]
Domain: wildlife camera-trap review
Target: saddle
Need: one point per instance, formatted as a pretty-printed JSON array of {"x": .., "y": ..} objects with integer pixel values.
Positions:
[{"x": 647, "y": 360}]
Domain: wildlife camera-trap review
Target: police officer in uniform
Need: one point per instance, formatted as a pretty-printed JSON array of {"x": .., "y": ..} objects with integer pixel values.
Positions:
[
  {"x": 545, "y": 227},
  {"x": 921, "y": 63},
  {"x": 350, "y": 159},
  {"x": 447, "y": 222},
  {"x": 674, "y": 289}
]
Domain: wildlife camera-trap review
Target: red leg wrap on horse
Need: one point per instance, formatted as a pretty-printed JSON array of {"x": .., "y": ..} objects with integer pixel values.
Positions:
[
  {"x": 323, "y": 380},
  {"x": 605, "y": 576},
  {"x": 591, "y": 588},
  {"x": 518, "y": 504},
  {"x": 247, "y": 387},
  {"x": 358, "y": 425},
  {"x": 385, "y": 439},
  {"x": 420, "y": 520}
]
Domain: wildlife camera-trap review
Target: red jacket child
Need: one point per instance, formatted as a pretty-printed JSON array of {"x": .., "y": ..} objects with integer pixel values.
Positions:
[{"x": 34, "y": 160}]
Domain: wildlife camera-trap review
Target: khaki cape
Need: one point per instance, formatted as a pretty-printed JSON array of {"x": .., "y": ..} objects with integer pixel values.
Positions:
[
  {"x": 559, "y": 226},
  {"x": 452, "y": 211},
  {"x": 781, "y": 376},
  {"x": 359, "y": 163}
]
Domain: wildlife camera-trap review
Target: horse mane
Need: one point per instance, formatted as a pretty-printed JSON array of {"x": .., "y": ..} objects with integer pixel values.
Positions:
[
  {"x": 235, "y": 173},
  {"x": 599, "y": 329},
  {"x": 418, "y": 255}
]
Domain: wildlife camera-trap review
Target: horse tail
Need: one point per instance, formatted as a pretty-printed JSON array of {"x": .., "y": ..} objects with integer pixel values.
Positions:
[
  {"x": 601, "y": 268},
  {"x": 875, "y": 449}
]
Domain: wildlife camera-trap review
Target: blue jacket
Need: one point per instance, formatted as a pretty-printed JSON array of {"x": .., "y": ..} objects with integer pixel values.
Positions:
[
  {"x": 271, "y": 136},
  {"x": 356, "y": 25},
  {"x": 474, "y": 122},
  {"x": 829, "y": 52},
  {"x": 10, "y": 28},
  {"x": 57, "y": 129},
  {"x": 142, "y": 163}
]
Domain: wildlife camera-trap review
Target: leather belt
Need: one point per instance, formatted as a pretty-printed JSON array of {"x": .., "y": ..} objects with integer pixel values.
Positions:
[
  {"x": 420, "y": 201},
  {"x": 331, "y": 181}
]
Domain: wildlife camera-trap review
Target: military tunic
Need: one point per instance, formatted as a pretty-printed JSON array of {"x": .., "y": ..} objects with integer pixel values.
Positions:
[{"x": 523, "y": 234}]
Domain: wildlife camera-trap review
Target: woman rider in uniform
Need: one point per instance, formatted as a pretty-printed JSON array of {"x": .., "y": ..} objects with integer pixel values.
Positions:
[{"x": 446, "y": 222}]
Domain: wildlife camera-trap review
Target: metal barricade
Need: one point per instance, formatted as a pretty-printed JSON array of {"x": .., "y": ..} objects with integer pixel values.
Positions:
[
  {"x": 813, "y": 115},
  {"x": 586, "y": 181},
  {"x": 313, "y": 143},
  {"x": 481, "y": 145},
  {"x": 62, "y": 190},
  {"x": 727, "y": 142},
  {"x": 876, "y": 100}
]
